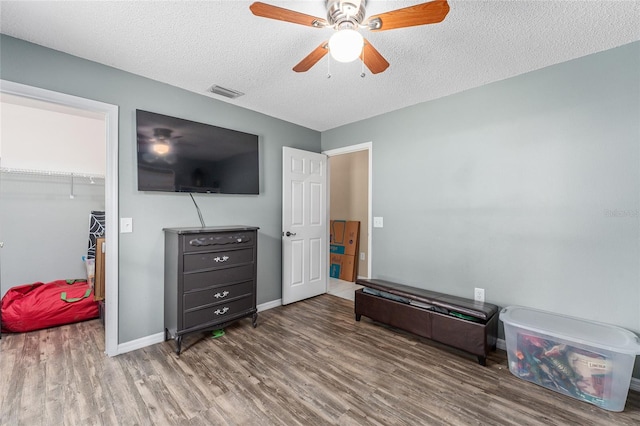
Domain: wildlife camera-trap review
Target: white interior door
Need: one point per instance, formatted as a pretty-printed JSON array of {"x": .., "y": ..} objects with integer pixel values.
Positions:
[{"x": 304, "y": 225}]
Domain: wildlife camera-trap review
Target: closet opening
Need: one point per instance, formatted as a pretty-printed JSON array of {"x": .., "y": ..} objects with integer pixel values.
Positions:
[{"x": 58, "y": 184}]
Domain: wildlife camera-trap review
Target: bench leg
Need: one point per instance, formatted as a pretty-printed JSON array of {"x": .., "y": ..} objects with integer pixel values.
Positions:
[
  {"x": 482, "y": 360},
  {"x": 358, "y": 316}
]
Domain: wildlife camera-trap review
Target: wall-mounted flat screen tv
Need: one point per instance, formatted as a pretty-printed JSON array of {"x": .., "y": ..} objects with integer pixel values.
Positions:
[{"x": 178, "y": 155}]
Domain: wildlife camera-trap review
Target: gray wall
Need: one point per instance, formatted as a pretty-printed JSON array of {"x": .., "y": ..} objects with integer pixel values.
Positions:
[
  {"x": 528, "y": 188},
  {"x": 45, "y": 232},
  {"x": 141, "y": 252}
]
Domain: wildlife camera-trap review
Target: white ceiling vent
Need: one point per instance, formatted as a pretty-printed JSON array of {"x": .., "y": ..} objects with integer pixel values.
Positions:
[{"x": 223, "y": 91}]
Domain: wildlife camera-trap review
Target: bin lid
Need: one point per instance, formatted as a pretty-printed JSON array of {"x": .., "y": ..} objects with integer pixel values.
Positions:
[{"x": 591, "y": 333}]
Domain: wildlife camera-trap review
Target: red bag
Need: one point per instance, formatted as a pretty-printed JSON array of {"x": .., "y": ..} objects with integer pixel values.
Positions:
[{"x": 34, "y": 306}]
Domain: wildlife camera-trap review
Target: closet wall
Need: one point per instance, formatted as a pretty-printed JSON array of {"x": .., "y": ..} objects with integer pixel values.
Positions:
[{"x": 52, "y": 165}]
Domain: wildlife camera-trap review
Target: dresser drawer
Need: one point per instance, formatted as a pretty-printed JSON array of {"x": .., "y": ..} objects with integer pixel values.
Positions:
[
  {"x": 217, "y": 295},
  {"x": 218, "y": 240},
  {"x": 201, "y": 280},
  {"x": 219, "y": 259},
  {"x": 217, "y": 313}
]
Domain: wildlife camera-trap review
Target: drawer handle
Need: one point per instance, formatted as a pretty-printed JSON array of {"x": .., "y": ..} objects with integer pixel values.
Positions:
[
  {"x": 221, "y": 295},
  {"x": 221, "y": 312},
  {"x": 221, "y": 259}
]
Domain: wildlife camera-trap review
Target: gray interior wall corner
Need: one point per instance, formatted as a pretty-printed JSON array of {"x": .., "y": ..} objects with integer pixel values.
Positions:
[{"x": 141, "y": 252}]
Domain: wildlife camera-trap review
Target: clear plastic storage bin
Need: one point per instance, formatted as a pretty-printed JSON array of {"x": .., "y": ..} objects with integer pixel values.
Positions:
[{"x": 587, "y": 360}]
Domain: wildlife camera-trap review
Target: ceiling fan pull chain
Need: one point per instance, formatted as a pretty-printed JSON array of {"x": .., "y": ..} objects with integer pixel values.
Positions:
[
  {"x": 362, "y": 74},
  {"x": 328, "y": 66}
]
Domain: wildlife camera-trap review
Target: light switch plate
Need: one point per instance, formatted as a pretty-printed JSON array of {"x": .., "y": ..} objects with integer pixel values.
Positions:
[
  {"x": 126, "y": 225},
  {"x": 377, "y": 222}
]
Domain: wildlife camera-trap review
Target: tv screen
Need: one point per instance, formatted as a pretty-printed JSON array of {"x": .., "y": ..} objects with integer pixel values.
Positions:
[{"x": 177, "y": 155}]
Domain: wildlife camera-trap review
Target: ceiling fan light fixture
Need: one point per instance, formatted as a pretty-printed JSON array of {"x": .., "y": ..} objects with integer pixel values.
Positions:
[
  {"x": 346, "y": 45},
  {"x": 161, "y": 148}
]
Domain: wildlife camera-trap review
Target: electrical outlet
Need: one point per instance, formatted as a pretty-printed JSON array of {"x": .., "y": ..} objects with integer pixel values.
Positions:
[
  {"x": 478, "y": 294},
  {"x": 378, "y": 222}
]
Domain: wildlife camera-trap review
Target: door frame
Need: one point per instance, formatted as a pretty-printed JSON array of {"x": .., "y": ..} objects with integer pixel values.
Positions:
[
  {"x": 366, "y": 146},
  {"x": 110, "y": 186}
]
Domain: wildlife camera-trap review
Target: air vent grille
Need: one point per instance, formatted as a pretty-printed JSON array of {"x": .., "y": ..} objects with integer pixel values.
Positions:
[{"x": 223, "y": 91}]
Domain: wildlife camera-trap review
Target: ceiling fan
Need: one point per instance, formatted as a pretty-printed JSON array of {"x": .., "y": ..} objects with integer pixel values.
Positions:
[{"x": 346, "y": 17}]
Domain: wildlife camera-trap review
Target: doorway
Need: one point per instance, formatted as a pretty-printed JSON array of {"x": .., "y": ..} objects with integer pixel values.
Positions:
[
  {"x": 110, "y": 114},
  {"x": 350, "y": 189}
]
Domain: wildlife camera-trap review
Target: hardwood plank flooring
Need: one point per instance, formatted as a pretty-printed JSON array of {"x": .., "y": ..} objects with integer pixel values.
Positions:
[{"x": 309, "y": 363}]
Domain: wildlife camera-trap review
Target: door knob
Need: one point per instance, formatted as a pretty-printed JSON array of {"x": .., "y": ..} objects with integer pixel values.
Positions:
[{"x": 290, "y": 234}]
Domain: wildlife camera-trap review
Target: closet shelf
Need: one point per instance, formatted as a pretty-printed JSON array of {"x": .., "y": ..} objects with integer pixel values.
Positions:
[{"x": 51, "y": 173}]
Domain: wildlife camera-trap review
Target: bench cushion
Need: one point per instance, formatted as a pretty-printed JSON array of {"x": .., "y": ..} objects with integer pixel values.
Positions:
[{"x": 481, "y": 310}]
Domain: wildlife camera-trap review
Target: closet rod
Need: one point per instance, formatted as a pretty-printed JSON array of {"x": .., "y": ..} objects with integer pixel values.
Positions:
[{"x": 11, "y": 170}]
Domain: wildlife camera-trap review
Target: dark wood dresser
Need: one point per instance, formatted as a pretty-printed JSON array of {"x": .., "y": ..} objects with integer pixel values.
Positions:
[{"x": 209, "y": 278}]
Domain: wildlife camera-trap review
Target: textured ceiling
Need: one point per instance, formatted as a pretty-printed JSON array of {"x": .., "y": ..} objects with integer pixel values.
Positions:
[{"x": 195, "y": 44}]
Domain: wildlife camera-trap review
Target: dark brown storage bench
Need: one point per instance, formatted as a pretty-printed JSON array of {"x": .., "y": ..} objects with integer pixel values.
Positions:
[{"x": 455, "y": 321}]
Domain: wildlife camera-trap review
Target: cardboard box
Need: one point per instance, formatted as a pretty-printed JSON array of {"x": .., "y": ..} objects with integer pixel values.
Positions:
[
  {"x": 98, "y": 289},
  {"x": 343, "y": 267},
  {"x": 335, "y": 265},
  {"x": 343, "y": 249},
  {"x": 344, "y": 237}
]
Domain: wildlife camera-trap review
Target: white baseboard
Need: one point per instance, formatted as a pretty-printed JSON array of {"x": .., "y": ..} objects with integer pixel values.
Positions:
[
  {"x": 635, "y": 383},
  {"x": 140, "y": 343},
  {"x": 269, "y": 305}
]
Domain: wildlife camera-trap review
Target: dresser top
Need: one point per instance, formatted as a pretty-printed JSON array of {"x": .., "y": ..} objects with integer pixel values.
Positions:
[{"x": 199, "y": 230}]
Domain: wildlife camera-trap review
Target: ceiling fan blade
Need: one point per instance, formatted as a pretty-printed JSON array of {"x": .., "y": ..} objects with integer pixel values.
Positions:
[
  {"x": 312, "y": 58},
  {"x": 420, "y": 14},
  {"x": 281, "y": 14},
  {"x": 373, "y": 59}
]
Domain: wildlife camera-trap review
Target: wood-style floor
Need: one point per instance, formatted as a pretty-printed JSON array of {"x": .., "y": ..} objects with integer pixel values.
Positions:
[{"x": 307, "y": 363}]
